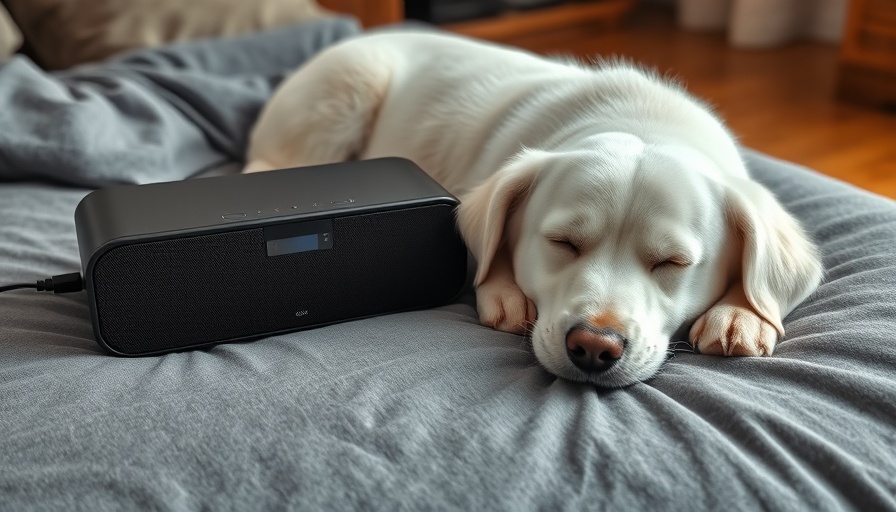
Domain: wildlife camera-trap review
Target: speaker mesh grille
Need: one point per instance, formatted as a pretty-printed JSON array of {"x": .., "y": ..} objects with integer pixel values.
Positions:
[{"x": 172, "y": 294}]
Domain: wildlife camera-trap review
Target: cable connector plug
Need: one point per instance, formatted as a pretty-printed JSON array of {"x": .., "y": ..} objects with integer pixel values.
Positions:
[{"x": 63, "y": 283}]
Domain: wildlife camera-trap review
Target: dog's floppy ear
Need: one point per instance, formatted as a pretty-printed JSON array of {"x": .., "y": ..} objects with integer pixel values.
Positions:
[
  {"x": 484, "y": 210},
  {"x": 781, "y": 266}
]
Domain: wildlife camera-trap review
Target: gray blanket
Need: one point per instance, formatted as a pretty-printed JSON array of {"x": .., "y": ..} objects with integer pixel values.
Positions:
[{"x": 425, "y": 410}]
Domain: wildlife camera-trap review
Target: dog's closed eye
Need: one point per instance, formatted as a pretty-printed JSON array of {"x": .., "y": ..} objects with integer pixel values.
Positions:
[
  {"x": 564, "y": 244},
  {"x": 675, "y": 262}
]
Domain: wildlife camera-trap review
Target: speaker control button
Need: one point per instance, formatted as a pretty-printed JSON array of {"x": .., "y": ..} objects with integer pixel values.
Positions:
[
  {"x": 233, "y": 216},
  {"x": 342, "y": 202}
]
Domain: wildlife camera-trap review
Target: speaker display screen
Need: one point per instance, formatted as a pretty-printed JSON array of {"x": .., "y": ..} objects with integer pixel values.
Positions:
[{"x": 299, "y": 237}]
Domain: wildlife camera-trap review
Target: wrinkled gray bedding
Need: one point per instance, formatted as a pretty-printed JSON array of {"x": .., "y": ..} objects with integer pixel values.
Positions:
[{"x": 421, "y": 410}]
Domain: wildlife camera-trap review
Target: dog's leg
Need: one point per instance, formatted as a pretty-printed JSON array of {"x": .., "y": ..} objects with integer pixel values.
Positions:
[
  {"x": 323, "y": 113},
  {"x": 500, "y": 302},
  {"x": 731, "y": 328}
]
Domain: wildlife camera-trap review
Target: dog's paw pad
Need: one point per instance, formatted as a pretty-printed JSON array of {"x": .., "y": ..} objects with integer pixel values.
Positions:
[
  {"x": 503, "y": 306},
  {"x": 727, "y": 330}
]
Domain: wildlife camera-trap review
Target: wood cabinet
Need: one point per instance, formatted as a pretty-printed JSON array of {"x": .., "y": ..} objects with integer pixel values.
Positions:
[
  {"x": 370, "y": 12},
  {"x": 867, "y": 71},
  {"x": 504, "y": 26},
  {"x": 608, "y": 13}
]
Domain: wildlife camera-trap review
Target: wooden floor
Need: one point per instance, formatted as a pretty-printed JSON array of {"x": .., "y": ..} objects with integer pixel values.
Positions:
[{"x": 781, "y": 102}]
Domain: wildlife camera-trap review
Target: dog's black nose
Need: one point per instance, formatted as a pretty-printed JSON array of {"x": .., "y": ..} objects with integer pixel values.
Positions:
[{"x": 594, "y": 350}]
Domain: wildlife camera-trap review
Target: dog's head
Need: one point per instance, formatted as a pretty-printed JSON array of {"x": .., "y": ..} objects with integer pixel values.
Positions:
[{"x": 628, "y": 243}]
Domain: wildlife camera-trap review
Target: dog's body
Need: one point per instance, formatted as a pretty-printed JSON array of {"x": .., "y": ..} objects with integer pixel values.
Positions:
[{"x": 603, "y": 199}]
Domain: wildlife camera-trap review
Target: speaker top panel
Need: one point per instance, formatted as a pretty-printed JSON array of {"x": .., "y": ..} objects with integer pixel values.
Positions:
[{"x": 244, "y": 200}]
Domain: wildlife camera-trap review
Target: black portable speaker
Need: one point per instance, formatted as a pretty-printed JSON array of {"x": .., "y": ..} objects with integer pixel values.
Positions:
[{"x": 180, "y": 265}]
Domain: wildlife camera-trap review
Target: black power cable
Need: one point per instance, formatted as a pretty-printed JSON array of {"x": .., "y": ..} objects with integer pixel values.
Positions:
[{"x": 63, "y": 283}]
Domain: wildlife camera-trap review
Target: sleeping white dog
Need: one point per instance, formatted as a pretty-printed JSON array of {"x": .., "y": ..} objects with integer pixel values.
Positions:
[{"x": 608, "y": 211}]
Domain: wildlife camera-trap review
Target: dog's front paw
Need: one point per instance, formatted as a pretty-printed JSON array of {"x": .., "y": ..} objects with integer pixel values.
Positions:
[
  {"x": 503, "y": 306},
  {"x": 728, "y": 330}
]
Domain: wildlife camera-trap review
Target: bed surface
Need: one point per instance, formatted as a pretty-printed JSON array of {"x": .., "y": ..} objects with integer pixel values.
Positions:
[{"x": 419, "y": 410}]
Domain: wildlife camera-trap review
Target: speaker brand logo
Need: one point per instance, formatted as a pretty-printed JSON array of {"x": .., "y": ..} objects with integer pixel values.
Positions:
[{"x": 302, "y": 313}]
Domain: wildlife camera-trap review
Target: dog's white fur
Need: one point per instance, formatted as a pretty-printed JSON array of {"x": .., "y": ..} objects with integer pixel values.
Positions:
[{"x": 601, "y": 196}]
